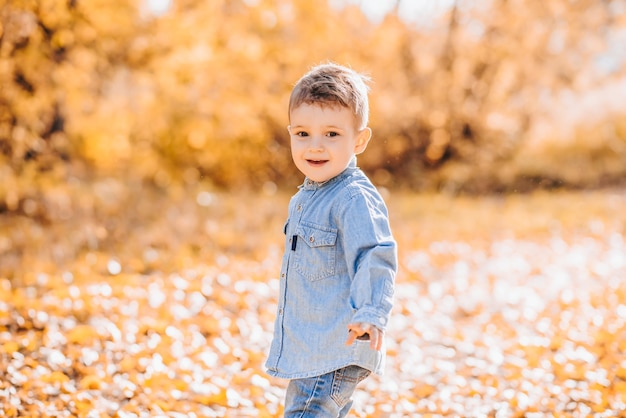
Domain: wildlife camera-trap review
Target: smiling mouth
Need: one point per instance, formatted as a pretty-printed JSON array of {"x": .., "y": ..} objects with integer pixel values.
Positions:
[{"x": 317, "y": 162}]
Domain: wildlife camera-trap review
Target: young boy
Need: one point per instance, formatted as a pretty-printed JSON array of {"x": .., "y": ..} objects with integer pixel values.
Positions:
[{"x": 340, "y": 260}]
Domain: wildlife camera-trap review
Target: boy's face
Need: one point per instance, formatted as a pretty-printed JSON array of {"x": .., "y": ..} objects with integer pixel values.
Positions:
[{"x": 324, "y": 140}]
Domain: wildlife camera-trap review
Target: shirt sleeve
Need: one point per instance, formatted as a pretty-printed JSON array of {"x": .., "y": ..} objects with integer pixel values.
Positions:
[{"x": 371, "y": 257}]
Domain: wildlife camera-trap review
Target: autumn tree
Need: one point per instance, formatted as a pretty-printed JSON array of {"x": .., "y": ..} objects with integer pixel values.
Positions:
[
  {"x": 56, "y": 60},
  {"x": 198, "y": 93},
  {"x": 473, "y": 88}
]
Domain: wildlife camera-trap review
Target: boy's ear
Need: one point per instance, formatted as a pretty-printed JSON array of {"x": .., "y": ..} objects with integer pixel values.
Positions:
[
  {"x": 362, "y": 139},
  {"x": 289, "y": 129}
]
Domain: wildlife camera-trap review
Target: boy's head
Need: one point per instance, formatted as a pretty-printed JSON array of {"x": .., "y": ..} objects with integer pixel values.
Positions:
[
  {"x": 333, "y": 85},
  {"x": 328, "y": 112}
]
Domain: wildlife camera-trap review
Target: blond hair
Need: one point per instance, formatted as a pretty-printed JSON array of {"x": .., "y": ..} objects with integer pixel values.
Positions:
[{"x": 333, "y": 85}]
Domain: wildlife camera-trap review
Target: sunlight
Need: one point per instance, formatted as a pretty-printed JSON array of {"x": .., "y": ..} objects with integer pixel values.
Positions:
[
  {"x": 420, "y": 12},
  {"x": 158, "y": 7}
]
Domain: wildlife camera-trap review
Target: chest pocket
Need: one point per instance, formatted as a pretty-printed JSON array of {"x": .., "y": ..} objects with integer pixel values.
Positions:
[{"x": 316, "y": 251}]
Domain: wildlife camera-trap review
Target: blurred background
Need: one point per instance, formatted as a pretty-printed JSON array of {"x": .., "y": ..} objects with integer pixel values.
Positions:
[
  {"x": 108, "y": 106},
  {"x": 145, "y": 174},
  {"x": 467, "y": 96}
]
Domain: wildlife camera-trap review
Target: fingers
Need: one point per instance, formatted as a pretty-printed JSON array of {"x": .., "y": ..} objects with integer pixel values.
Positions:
[
  {"x": 351, "y": 337},
  {"x": 355, "y": 331},
  {"x": 376, "y": 339},
  {"x": 359, "y": 329}
]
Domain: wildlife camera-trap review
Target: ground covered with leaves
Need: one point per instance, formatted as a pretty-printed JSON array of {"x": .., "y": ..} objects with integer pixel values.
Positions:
[{"x": 118, "y": 305}]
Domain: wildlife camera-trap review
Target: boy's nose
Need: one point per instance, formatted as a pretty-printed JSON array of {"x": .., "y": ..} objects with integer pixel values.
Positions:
[{"x": 316, "y": 143}]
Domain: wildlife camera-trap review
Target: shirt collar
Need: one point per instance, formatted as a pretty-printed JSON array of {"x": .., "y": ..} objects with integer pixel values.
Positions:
[{"x": 314, "y": 185}]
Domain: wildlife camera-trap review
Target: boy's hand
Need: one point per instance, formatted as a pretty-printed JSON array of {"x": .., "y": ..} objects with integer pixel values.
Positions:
[{"x": 361, "y": 329}]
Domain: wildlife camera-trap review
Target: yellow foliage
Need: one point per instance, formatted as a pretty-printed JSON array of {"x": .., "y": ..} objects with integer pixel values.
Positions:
[
  {"x": 512, "y": 306},
  {"x": 121, "y": 298},
  {"x": 91, "y": 382},
  {"x": 82, "y": 334},
  {"x": 54, "y": 14},
  {"x": 55, "y": 378},
  {"x": 199, "y": 93},
  {"x": 9, "y": 347}
]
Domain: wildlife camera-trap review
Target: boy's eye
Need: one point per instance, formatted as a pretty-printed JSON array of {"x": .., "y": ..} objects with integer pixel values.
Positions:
[
  {"x": 302, "y": 134},
  {"x": 332, "y": 134}
]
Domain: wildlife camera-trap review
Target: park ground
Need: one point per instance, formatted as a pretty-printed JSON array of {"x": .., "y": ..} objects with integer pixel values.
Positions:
[{"x": 142, "y": 305}]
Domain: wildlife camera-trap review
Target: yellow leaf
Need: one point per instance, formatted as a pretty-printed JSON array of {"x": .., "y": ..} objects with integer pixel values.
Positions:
[
  {"x": 84, "y": 407},
  {"x": 82, "y": 334},
  {"x": 10, "y": 347},
  {"x": 91, "y": 382},
  {"x": 55, "y": 377},
  {"x": 424, "y": 391},
  {"x": 620, "y": 391},
  {"x": 10, "y": 411},
  {"x": 219, "y": 398},
  {"x": 163, "y": 405}
]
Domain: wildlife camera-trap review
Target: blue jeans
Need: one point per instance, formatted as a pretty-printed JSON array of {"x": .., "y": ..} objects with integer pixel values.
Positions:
[{"x": 328, "y": 395}]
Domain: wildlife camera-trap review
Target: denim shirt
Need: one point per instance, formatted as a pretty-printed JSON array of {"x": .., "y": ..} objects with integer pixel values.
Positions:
[{"x": 339, "y": 267}]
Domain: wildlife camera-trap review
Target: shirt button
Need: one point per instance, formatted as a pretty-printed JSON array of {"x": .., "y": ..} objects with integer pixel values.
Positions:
[
  {"x": 299, "y": 207},
  {"x": 311, "y": 239},
  {"x": 282, "y": 275},
  {"x": 280, "y": 311}
]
